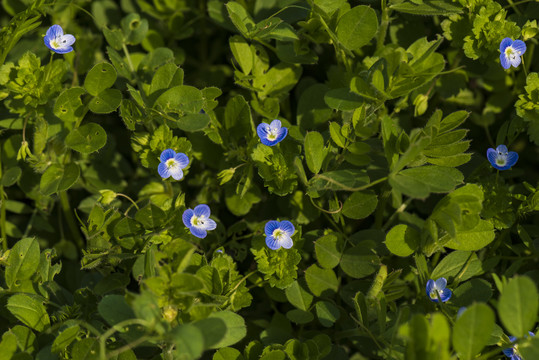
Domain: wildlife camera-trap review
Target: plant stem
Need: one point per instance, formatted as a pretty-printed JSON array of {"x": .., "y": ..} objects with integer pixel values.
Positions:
[
  {"x": 384, "y": 23},
  {"x": 68, "y": 213}
]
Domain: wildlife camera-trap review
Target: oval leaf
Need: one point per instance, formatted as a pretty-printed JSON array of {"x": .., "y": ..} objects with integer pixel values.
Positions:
[{"x": 87, "y": 138}]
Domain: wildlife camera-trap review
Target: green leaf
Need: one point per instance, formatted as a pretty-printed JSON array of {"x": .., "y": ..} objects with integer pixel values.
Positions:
[
  {"x": 432, "y": 7},
  {"x": 65, "y": 338},
  {"x": 518, "y": 305},
  {"x": 166, "y": 76},
  {"x": 529, "y": 349},
  {"x": 8, "y": 345},
  {"x": 11, "y": 176},
  {"x": 182, "y": 99},
  {"x": 193, "y": 122},
  {"x": 465, "y": 264},
  {"x": 357, "y": 27},
  {"x": 242, "y": 53},
  {"x": 360, "y": 204},
  {"x": 472, "y": 330},
  {"x": 298, "y": 296},
  {"x": 102, "y": 76},
  {"x": 240, "y": 18},
  {"x": 359, "y": 262},
  {"x": 151, "y": 216},
  {"x": 114, "y": 37},
  {"x": 23, "y": 261},
  {"x": 472, "y": 239},
  {"x": 30, "y": 310},
  {"x": 327, "y": 313},
  {"x": 419, "y": 182},
  {"x": 346, "y": 180},
  {"x": 235, "y": 328},
  {"x": 402, "y": 240},
  {"x": 188, "y": 341},
  {"x": 87, "y": 138},
  {"x": 85, "y": 349},
  {"x": 300, "y": 316},
  {"x": 212, "y": 329},
  {"x": 68, "y": 106},
  {"x": 328, "y": 251},
  {"x": 114, "y": 309},
  {"x": 186, "y": 283},
  {"x": 314, "y": 151},
  {"x": 278, "y": 80},
  {"x": 106, "y": 101},
  {"x": 134, "y": 29},
  {"x": 321, "y": 282},
  {"x": 342, "y": 99},
  {"x": 227, "y": 354},
  {"x": 57, "y": 178}
]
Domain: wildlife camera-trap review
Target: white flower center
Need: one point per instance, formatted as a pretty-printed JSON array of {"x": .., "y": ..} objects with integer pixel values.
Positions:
[
  {"x": 278, "y": 234},
  {"x": 272, "y": 135},
  {"x": 434, "y": 292},
  {"x": 198, "y": 221},
  {"x": 510, "y": 53},
  {"x": 171, "y": 163}
]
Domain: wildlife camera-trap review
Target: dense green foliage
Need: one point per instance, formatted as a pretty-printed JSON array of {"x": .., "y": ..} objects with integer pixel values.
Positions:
[{"x": 390, "y": 108}]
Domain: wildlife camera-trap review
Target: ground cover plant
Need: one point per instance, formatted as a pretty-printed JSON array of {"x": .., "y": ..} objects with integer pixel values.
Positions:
[{"x": 269, "y": 179}]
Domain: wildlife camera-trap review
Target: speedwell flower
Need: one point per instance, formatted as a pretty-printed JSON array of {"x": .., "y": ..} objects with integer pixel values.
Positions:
[
  {"x": 501, "y": 158},
  {"x": 438, "y": 288},
  {"x": 198, "y": 220},
  {"x": 271, "y": 134},
  {"x": 279, "y": 234},
  {"x": 172, "y": 164},
  {"x": 512, "y": 352},
  {"x": 510, "y": 52},
  {"x": 57, "y": 41}
]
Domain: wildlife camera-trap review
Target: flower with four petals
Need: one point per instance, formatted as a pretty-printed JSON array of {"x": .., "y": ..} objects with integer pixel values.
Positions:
[
  {"x": 510, "y": 52},
  {"x": 512, "y": 352},
  {"x": 438, "y": 288},
  {"x": 57, "y": 41},
  {"x": 198, "y": 220},
  {"x": 501, "y": 158},
  {"x": 271, "y": 134},
  {"x": 279, "y": 233},
  {"x": 172, "y": 164}
]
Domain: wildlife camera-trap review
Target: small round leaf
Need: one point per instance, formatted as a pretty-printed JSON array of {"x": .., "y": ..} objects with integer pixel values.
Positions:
[{"x": 87, "y": 138}]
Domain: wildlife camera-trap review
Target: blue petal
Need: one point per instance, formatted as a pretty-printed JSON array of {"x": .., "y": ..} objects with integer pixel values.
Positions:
[
  {"x": 502, "y": 148},
  {"x": 63, "y": 50},
  {"x": 54, "y": 32},
  {"x": 504, "y": 61},
  {"x": 430, "y": 286},
  {"x": 202, "y": 210},
  {"x": 512, "y": 339},
  {"x": 167, "y": 154},
  {"x": 287, "y": 227},
  {"x": 516, "y": 357},
  {"x": 505, "y": 43},
  {"x": 286, "y": 242},
  {"x": 272, "y": 243},
  {"x": 445, "y": 295},
  {"x": 67, "y": 40},
  {"x": 176, "y": 172},
  {"x": 515, "y": 62},
  {"x": 441, "y": 283},
  {"x": 512, "y": 158},
  {"x": 209, "y": 224},
  {"x": 531, "y": 334},
  {"x": 162, "y": 169},
  {"x": 519, "y": 46},
  {"x": 198, "y": 232},
  {"x": 262, "y": 130},
  {"x": 182, "y": 160},
  {"x": 491, "y": 156},
  {"x": 508, "y": 352},
  {"x": 281, "y": 135},
  {"x": 186, "y": 217},
  {"x": 275, "y": 124},
  {"x": 270, "y": 227}
]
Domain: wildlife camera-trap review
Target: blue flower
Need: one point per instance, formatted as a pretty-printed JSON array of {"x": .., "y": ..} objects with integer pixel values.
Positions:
[
  {"x": 512, "y": 352},
  {"x": 461, "y": 311},
  {"x": 502, "y": 159},
  {"x": 279, "y": 234},
  {"x": 271, "y": 134},
  {"x": 172, "y": 164},
  {"x": 510, "y": 52},
  {"x": 198, "y": 220},
  {"x": 57, "y": 41},
  {"x": 438, "y": 288}
]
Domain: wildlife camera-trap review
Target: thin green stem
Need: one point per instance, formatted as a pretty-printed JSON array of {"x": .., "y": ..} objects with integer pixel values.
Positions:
[
  {"x": 401, "y": 208},
  {"x": 524, "y": 66},
  {"x": 348, "y": 188},
  {"x": 128, "y": 57},
  {"x": 3, "y": 199},
  {"x": 70, "y": 219},
  {"x": 48, "y": 68},
  {"x": 128, "y": 198},
  {"x": 514, "y": 7},
  {"x": 384, "y": 23}
]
